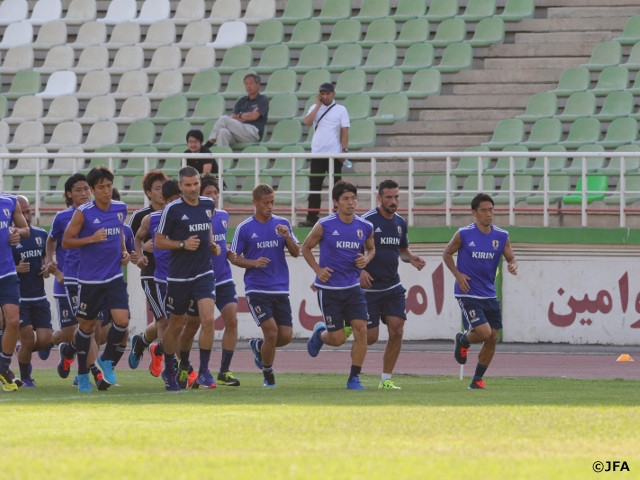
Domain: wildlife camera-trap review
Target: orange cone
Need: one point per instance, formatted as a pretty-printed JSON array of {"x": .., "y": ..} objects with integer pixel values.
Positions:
[{"x": 625, "y": 357}]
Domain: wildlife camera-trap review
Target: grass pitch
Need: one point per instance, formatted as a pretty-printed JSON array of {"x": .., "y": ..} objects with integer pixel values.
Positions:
[{"x": 311, "y": 427}]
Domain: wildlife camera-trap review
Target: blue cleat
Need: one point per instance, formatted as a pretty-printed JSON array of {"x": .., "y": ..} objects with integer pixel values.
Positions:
[
  {"x": 315, "y": 342},
  {"x": 170, "y": 382},
  {"x": 134, "y": 355},
  {"x": 84, "y": 383},
  {"x": 28, "y": 383},
  {"x": 354, "y": 384},
  {"x": 106, "y": 367},
  {"x": 257, "y": 356},
  {"x": 269, "y": 381},
  {"x": 205, "y": 380}
]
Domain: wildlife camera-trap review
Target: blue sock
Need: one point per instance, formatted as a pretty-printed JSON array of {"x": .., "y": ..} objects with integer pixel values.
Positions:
[
  {"x": 114, "y": 338},
  {"x": 480, "y": 371},
  {"x": 5, "y": 362},
  {"x": 463, "y": 341},
  {"x": 355, "y": 371},
  {"x": 227, "y": 355},
  {"x": 205, "y": 355},
  {"x": 24, "y": 370}
]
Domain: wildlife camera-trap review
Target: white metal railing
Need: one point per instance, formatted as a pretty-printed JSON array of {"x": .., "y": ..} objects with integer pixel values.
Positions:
[{"x": 411, "y": 174}]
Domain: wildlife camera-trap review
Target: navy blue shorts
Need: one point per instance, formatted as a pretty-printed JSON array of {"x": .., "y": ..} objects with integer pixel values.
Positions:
[
  {"x": 95, "y": 297},
  {"x": 264, "y": 306},
  {"x": 155, "y": 302},
  {"x": 225, "y": 294},
  {"x": 339, "y": 307},
  {"x": 389, "y": 303},
  {"x": 478, "y": 311},
  {"x": 72, "y": 296},
  {"x": 66, "y": 316},
  {"x": 181, "y": 294},
  {"x": 36, "y": 313},
  {"x": 161, "y": 293},
  {"x": 10, "y": 290}
]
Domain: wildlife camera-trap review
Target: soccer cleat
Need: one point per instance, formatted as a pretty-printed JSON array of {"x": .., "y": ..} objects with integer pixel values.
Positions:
[
  {"x": 347, "y": 333},
  {"x": 8, "y": 385},
  {"x": 106, "y": 367},
  {"x": 183, "y": 377},
  {"x": 269, "y": 381},
  {"x": 459, "y": 351},
  {"x": 136, "y": 352},
  {"x": 170, "y": 382},
  {"x": 28, "y": 383},
  {"x": 388, "y": 385},
  {"x": 315, "y": 342},
  {"x": 477, "y": 385},
  {"x": 100, "y": 382},
  {"x": 228, "y": 379},
  {"x": 44, "y": 353},
  {"x": 84, "y": 383},
  {"x": 354, "y": 384},
  {"x": 75, "y": 381},
  {"x": 257, "y": 356},
  {"x": 64, "y": 365},
  {"x": 193, "y": 377},
  {"x": 205, "y": 380},
  {"x": 155, "y": 367}
]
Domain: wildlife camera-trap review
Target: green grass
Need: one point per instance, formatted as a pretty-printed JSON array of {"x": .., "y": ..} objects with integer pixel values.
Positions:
[{"x": 311, "y": 427}]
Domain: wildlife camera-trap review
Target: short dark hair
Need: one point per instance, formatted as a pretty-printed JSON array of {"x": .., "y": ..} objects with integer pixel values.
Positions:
[
  {"x": 386, "y": 184},
  {"x": 260, "y": 190},
  {"x": 98, "y": 173},
  {"x": 195, "y": 133},
  {"x": 72, "y": 180},
  {"x": 208, "y": 180},
  {"x": 150, "y": 178},
  {"x": 340, "y": 187},
  {"x": 187, "y": 172},
  {"x": 115, "y": 194},
  {"x": 170, "y": 188},
  {"x": 255, "y": 76},
  {"x": 479, "y": 198}
]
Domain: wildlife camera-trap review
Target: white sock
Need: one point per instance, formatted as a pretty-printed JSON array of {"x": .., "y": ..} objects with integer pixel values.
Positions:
[{"x": 385, "y": 376}]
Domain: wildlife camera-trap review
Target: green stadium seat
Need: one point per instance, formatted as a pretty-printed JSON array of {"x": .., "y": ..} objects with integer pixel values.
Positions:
[
  {"x": 632, "y": 191},
  {"x": 282, "y": 106},
  {"x": 470, "y": 188},
  {"x": 285, "y": 132},
  {"x": 372, "y": 10},
  {"x": 141, "y": 132},
  {"x": 312, "y": 57},
  {"x": 456, "y": 57},
  {"x": 597, "y": 186},
  {"x": 633, "y": 60},
  {"x": 205, "y": 82},
  {"x": 362, "y": 133},
  {"x": 173, "y": 134},
  {"x": 574, "y": 79},
  {"x": 440, "y": 10},
  {"x": 282, "y": 166},
  {"x": 544, "y": 131},
  {"x": 417, "y": 57},
  {"x": 26, "y": 82},
  {"x": 236, "y": 58},
  {"x": 631, "y": 162},
  {"x": 413, "y": 31},
  {"x": 593, "y": 164},
  {"x": 507, "y": 132},
  {"x": 296, "y": 12},
  {"x": 115, "y": 161},
  {"x": 489, "y": 31},
  {"x": 344, "y": 31},
  {"x": 630, "y": 32},
  {"x": 311, "y": 81},
  {"x": 247, "y": 166},
  {"x": 424, "y": 82},
  {"x": 579, "y": 104},
  {"x": 393, "y": 108},
  {"x": 351, "y": 81},
  {"x": 270, "y": 32},
  {"x": 451, "y": 30},
  {"x": 381, "y": 30},
  {"x": 613, "y": 78},
  {"x": 522, "y": 189},
  {"x": 208, "y": 107},
  {"x": 173, "y": 107},
  {"x": 381, "y": 57},
  {"x": 235, "y": 85},
  {"x": 346, "y": 57},
  {"x": 605, "y": 54},
  {"x": 477, "y": 10},
  {"x": 306, "y": 32},
  {"x": 387, "y": 82},
  {"x": 281, "y": 81},
  {"x": 585, "y": 130},
  {"x": 135, "y": 166},
  {"x": 540, "y": 105},
  {"x": 559, "y": 186},
  {"x": 274, "y": 57},
  {"x": 616, "y": 104},
  {"x": 285, "y": 188},
  {"x": 555, "y": 164},
  {"x": 516, "y": 10},
  {"x": 407, "y": 10},
  {"x": 358, "y": 105},
  {"x": 244, "y": 195},
  {"x": 468, "y": 164},
  {"x": 502, "y": 166},
  {"x": 435, "y": 191},
  {"x": 621, "y": 131},
  {"x": 334, "y": 10}
]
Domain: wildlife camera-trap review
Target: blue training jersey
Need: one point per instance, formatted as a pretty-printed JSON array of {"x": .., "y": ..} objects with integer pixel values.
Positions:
[
  {"x": 31, "y": 250},
  {"x": 478, "y": 258},
  {"x": 7, "y": 209},
  {"x": 221, "y": 267},
  {"x": 161, "y": 257},
  {"x": 339, "y": 246},
  {"x": 101, "y": 262},
  {"x": 389, "y": 236},
  {"x": 180, "y": 221},
  {"x": 254, "y": 239},
  {"x": 58, "y": 226}
]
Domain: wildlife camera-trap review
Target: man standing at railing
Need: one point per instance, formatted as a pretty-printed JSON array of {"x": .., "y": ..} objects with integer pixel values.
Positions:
[{"x": 331, "y": 136}]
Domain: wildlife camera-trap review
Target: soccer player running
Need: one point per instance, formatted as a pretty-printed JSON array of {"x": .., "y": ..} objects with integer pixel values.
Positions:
[
  {"x": 96, "y": 230},
  {"x": 35, "y": 310},
  {"x": 185, "y": 230},
  {"x": 480, "y": 247},
  {"x": 10, "y": 211},
  {"x": 152, "y": 185},
  {"x": 226, "y": 295},
  {"x": 342, "y": 237},
  {"x": 259, "y": 244},
  {"x": 385, "y": 294}
]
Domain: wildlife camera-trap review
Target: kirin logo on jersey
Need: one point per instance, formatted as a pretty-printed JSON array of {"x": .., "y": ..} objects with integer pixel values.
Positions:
[
  {"x": 495, "y": 244},
  {"x": 360, "y": 233}
]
